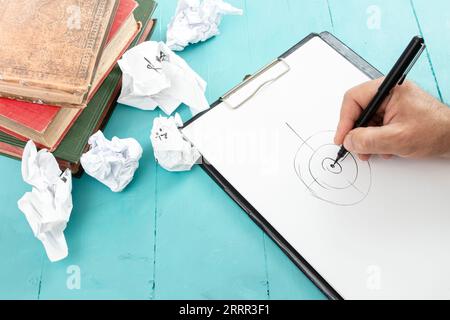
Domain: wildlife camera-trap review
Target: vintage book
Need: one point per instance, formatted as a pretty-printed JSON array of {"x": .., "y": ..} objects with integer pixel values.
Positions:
[
  {"x": 30, "y": 115},
  {"x": 48, "y": 138},
  {"x": 96, "y": 114},
  {"x": 46, "y": 125},
  {"x": 124, "y": 11},
  {"x": 123, "y": 31},
  {"x": 51, "y": 48}
]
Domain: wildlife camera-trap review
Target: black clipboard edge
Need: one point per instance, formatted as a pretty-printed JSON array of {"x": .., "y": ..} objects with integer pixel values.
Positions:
[
  {"x": 343, "y": 50},
  {"x": 351, "y": 55},
  {"x": 293, "y": 255},
  {"x": 261, "y": 222}
]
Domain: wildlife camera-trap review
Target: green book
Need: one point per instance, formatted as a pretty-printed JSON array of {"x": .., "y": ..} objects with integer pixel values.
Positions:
[{"x": 74, "y": 143}]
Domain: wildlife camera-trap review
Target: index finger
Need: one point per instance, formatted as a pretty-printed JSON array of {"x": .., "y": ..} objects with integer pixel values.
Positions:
[{"x": 355, "y": 101}]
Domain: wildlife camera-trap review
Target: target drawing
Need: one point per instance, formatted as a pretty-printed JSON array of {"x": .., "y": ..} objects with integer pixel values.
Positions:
[{"x": 347, "y": 183}]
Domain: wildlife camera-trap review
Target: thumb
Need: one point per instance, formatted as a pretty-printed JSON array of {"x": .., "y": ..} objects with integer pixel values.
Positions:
[{"x": 371, "y": 140}]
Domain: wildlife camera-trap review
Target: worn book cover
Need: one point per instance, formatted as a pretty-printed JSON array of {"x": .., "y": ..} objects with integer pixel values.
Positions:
[
  {"x": 50, "y": 48},
  {"x": 96, "y": 114},
  {"x": 45, "y": 124},
  {"x": 30, "y": 115}
]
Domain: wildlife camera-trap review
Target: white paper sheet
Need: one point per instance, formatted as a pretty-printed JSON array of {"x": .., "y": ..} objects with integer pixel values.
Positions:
[
  {"x": 372, "y": 230},
  {"x": 49, "y": 204}
]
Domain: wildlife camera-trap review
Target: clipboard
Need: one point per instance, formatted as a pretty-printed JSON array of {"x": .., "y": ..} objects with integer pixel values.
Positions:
[
  {"x": 361, "y": 230},
  {"x": 234, "y": 194},
  {"x": 282, "y": 243},
  {"x": 326, "y": 36},
  {"x": 425, "y": 255}
]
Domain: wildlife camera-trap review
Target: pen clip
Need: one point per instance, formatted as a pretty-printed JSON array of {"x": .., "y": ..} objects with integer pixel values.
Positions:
[{"x": 413, "y": 62}]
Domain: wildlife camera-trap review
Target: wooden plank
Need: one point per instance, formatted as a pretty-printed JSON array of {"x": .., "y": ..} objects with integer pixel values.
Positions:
[
  {"x": 207, "y": 248},
  {"x": 287, "y": 23},
  {"x": 434, "y": 21},
  {"x": 355, "y": 22},
  {"x": 286, "y": 281},
  {"x": 269, "y": 31},
  {"x": 21, "y": 254},
  {"x": 110, "y": 235}
]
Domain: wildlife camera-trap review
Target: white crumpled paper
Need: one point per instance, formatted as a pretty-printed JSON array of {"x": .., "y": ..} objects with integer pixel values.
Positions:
[
  {"x": 197, "y": 20},
  {"x": 155, "y": 76},
  {"x": 48, "y": 206},
  {"x": 172, "y": 151},
  {"x": 112, "y": 162}
]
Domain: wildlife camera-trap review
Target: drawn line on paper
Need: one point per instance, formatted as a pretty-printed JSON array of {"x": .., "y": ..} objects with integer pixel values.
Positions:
[
  {"x": 299, "y": 136},
  {"x": 346, "y": 184},
  {"x": 353, "y": 185}
]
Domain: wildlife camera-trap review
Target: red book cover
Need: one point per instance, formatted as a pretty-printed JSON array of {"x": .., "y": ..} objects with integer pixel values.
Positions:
[
  {"x": 126, "y": 7},
  {"x": 37, "y": 116},
  {"x": 34, "y": 116},
  {"x": 52, "y": 148}
]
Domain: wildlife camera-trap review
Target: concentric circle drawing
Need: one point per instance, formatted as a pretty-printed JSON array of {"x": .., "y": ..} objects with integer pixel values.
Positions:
[{"x": 347, "y": 183}]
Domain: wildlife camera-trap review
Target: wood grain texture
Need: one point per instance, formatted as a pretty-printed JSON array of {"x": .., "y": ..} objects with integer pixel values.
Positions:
[
  {"x": 177, "y": 235},
  {"x": 434, "y": 25},
  {"x": 381, "y": 45}
]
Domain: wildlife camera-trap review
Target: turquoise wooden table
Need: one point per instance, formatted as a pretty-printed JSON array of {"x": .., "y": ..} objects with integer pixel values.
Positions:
[{"x": 177, "y": 235}]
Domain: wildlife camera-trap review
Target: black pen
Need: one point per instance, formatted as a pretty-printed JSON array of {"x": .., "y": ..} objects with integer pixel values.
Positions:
[{"x": 395, "y": 77}]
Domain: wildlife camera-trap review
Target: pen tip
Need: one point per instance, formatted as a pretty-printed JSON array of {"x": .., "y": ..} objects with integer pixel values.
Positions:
[{"x": 335, "y": 162}]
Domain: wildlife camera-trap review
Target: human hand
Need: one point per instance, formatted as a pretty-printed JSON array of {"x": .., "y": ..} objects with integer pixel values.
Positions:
[{"x": 410, "y": 124}]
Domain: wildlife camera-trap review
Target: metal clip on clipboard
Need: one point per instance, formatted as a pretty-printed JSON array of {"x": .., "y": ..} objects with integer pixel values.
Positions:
[{"x": 233, "y": 100}]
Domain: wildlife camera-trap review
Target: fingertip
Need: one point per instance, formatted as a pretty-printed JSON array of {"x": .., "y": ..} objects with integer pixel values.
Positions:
[
  {"x": 339, "y": 136},
  {"x": 337, "y": 140},
  {"x": 343, "y": 130},
  {"x": 348, "y": 142},
  {"x": 364, "y": 157}
]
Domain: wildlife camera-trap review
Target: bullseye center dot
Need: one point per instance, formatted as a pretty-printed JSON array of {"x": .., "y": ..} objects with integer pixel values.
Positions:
[{"x": 329, "y": 166}]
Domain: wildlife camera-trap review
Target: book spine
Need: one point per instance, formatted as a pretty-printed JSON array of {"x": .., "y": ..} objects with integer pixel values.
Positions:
[{"x": 99, "y": 84}]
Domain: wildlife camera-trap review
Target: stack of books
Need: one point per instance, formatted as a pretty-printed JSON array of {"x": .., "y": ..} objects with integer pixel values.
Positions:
[{"x": 59, "y": 79}]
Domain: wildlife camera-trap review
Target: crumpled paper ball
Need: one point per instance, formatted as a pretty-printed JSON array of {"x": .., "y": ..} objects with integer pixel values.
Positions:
[
  {"x": 48, "y": 206},
  {"x": 196, "y": 21},
  {"x": 154, "y": 76},
  {"x": 114, "y": 162},
  {"x": 172, "y": 151}
]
